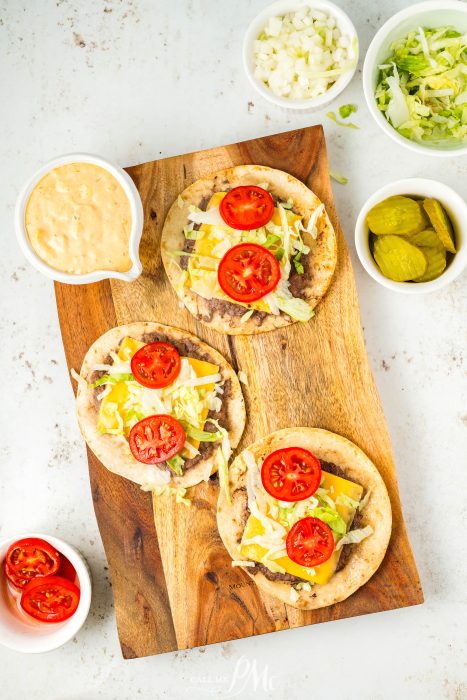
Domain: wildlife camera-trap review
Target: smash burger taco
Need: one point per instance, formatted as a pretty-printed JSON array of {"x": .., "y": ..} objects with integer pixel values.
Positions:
[
  {"x": 307, "y": 514},
  {"x": 158, "y": 406},
  {"x": 249, "y": 249}
]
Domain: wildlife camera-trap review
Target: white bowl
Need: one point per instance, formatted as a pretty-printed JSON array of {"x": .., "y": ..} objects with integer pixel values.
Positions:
[
  {"x": 434, "y": 13},
  {"x": 136, "y": 227},
  {"x": 456, "y": 208},
  {"x": 280, "y": 8},
  {"x": 33, "y": 637}
]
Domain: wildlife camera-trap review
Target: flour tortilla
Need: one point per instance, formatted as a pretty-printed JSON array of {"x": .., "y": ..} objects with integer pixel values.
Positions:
[
  {"x": 319, "y": 264},
  {"x": 113, "y": 450},
  {"x": 364, "y": 558}
]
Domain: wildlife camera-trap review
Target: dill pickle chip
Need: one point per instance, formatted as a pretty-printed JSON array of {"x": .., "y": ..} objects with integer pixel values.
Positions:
[
  {"x": 441, "y": 223},
  {"x": 399, "y": 260},
  {"x": 397, "y": 215},
  {"x": 436, "y": 259},
  {"x": 428, "y": 238}
]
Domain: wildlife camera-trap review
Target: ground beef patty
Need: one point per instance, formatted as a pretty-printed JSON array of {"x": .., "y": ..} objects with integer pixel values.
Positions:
[{"x": 275, "y": 576}]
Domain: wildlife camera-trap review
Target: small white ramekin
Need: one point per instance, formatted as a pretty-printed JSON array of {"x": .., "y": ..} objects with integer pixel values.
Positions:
[
  {"x": 433, "y": 13},
  {"x": 34, "y": 638},
  {"x": 456, "y": 208},
  {"x": 136, "y": 227},
  {"x": 280, "y": 8}
]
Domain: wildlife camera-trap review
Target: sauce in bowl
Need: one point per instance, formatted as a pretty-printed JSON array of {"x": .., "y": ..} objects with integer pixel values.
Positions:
[{"x": 78, "y": 220}]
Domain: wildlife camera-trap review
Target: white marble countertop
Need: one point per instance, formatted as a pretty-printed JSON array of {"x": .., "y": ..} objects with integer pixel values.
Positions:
[{"x": 136, "y": 80}]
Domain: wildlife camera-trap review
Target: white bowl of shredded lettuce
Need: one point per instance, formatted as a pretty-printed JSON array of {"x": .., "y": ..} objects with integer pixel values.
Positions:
[
  {"x": 415, "y": 77},
  {"x": 300, "y": 55}
]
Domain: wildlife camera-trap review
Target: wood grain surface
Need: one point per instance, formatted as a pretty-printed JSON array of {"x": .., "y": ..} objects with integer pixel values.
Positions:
[{"x": 173, "y": 583}]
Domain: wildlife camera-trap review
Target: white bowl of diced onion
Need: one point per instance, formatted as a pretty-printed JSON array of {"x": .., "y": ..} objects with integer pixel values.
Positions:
[{"x": 300, "y": 55}]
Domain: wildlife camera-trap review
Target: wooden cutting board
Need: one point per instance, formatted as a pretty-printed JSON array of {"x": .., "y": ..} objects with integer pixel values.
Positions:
[{"x": 173, "y": 583}]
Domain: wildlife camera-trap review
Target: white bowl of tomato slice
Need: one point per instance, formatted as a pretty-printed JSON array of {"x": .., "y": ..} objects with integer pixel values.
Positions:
[{"x": 45, "y": 592}]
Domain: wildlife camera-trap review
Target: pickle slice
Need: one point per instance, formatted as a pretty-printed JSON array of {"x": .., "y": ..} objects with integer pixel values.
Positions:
[
  {"x": 399, "y": 260},
  {"x": 428, "y": 238},
  {"x": 397, "y": 215},
  {"x": 436, "y": 259},
  {"x": 441, "y": 223}
]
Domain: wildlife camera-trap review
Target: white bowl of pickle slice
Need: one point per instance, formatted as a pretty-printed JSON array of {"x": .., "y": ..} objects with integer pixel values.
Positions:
[{"x": 411, "y": 235}]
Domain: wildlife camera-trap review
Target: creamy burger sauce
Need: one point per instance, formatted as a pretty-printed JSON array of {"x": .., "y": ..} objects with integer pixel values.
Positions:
[{"x": 78, "y": 220}]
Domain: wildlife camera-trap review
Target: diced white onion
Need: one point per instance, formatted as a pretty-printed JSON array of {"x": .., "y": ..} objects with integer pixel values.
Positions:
[
  {"x": 300, "y": 55},
  {"x": 294, "y": 595},
  {"x": 242, "y": 377}
]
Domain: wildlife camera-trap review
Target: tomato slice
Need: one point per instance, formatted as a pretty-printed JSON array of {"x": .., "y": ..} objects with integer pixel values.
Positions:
[
  {"x": 291, "y": 474},
  {"x": 247, "y": 207},
  {"x": 248, "y": 272},
  {"x": 156, "y": 365},
  {"x": 156, "y": 438},
  {"x": 309, "y": 542},
  {"x": 50, "y": 598},
  {"x": 67, "y": 570},
  {"x": 29, "y": 558}
]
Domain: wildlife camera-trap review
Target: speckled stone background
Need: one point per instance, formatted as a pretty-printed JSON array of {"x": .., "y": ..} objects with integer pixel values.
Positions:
[{"x": 137, "y": 80}]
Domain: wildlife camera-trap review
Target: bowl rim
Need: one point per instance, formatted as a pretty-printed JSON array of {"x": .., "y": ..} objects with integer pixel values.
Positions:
[
  {"x": 369, "y": 63},
  {"x": 407, "y": 186},
  {"x": 283, "y": 6},
  {"x": 33, "y": 644},
  {"x": 137, "y": 213}
]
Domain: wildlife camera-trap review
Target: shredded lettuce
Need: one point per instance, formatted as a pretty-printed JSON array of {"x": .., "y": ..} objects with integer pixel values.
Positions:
[
  {"x": 324, "y": 497},
  {"x": 284, "y": 513},
  {"x": 364, "y": 500},
  {"x": 303, "y": 586},
  {"x": 178, "y": 491},
  {"x": 344, "y": 500},
  {"x": 191, "y": 234},
  {"x": 346, "y": 110},
  {"x": 271, "y": 240},
  {"x": 397, "y": 109},
  {"x": 341, "y": 179},
  {"x": 248, "y": 314},
  {"x": 112, "y": 379},
  {"x": 331, "y": 517},
  {"x": 349, "y": 125},
  {"x": 223, "y": 456},
  {"x": 243, "y": 562},
  {"x": 354, "y": 536},
  {"x": 273, "y": 566},
  {"x": 201, "y": 435},
  {"x": 422, "y": 89},
  {"x": 297, "y": 264},
  {"x": 223, "y": 469},
  {"x": 296, "y": 308},
  {"x": 176, "y": 464},
  {"x": 279, "y": 254}
]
